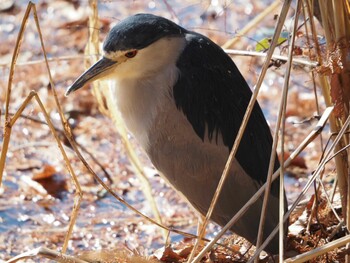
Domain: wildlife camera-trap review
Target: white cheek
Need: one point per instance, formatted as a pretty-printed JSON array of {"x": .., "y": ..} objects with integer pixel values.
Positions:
[{"x": 128, "y": 69}]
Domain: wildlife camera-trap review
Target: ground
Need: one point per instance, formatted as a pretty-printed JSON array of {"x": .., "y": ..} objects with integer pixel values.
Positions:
[{"x": 37, "y": 194}]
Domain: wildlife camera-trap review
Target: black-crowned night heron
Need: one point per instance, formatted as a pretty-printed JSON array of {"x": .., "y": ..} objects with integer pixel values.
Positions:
[{"x": 184, "y": 99}]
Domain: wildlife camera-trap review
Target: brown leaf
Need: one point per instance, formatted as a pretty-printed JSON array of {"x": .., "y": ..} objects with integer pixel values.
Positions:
[
  {"x": 55, "y": 184},
  {"x": 236, "y": 248},
  {"x": 185, "y": 252},
  {"x": 44, "y": 173},
  {"x": 297, "y": 161},
  {"x": 170, "y": 256}
]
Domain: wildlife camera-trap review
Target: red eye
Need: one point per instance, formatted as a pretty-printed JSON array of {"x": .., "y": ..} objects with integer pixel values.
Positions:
[{"x": 131, "y": 54}]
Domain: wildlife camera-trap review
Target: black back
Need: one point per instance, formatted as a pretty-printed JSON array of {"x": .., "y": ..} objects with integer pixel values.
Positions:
[{"x": 214, "y": 95}]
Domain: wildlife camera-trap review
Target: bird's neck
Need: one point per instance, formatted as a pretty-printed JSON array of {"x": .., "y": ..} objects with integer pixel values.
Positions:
[{"x": 140, "y": 100}]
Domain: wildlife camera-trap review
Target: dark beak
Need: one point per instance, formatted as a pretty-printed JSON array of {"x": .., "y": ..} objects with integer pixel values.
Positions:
[{"x": 93, "y": 73}]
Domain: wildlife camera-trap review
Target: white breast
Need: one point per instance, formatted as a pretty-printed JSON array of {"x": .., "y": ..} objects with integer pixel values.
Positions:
[{"x": 140, "y": 101}]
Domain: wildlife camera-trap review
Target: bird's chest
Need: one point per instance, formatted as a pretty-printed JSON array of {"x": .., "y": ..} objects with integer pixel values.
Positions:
[
  {"x": 149, "y": 112},
  {"x": 142, "y": 101}
]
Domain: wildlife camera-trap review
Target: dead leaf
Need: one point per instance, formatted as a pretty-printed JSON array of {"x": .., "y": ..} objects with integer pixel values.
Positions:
[
  {"x": 55, "y": 184},
  {"x": 170, "y": 256},
  {"x": 297, "y": 161},
  {"x": 44, "y": 173}
]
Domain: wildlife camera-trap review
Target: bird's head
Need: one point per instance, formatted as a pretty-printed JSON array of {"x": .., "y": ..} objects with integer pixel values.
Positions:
[{"x": 139, "y": 45}]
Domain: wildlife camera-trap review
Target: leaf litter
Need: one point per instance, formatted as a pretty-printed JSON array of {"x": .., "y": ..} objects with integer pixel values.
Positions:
[{"x": 36, "y": 201}]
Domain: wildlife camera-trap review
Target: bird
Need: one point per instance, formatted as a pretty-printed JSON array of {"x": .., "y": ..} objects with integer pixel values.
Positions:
[{"x": 184, "y": 99}]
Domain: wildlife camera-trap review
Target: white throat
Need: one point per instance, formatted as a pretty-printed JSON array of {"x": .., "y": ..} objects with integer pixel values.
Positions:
[{"x": 140, "y": 99}]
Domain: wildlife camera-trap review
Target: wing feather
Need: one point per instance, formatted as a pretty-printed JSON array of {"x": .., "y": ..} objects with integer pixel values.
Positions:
[{"x": 214, "y": 96}]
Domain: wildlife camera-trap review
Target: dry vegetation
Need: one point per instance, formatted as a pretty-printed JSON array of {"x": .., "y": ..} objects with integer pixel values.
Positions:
[{"x": 108, "y": 185}]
